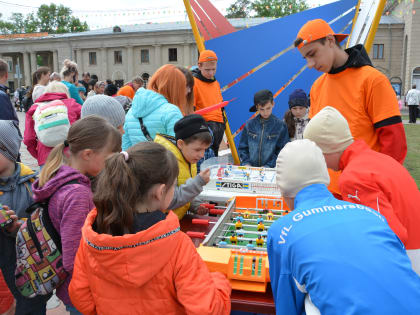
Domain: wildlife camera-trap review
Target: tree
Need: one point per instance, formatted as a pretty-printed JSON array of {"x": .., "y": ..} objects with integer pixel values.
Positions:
[
  {"x": 265, "y": 8},
  {"x": 5, "y": 26},
  {"x": 49, "y": 18},
  {"x": 239, "y": 9},
  {"x": 58, "y": 19},
  {"x": 276, "y": 8}
]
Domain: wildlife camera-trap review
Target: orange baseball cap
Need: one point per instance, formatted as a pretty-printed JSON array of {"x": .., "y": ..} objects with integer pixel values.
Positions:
[
  {"x": 316, "y": 29},
  {"x": 207, "y": 55}
]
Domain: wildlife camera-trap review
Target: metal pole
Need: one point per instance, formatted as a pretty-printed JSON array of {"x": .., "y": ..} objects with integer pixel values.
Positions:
[
  {"x": 374, "y": 26},
  {"x": 196, "y": 33},
  {"x": 200, "y": 45},
  {"x": 356, "y": 14}
]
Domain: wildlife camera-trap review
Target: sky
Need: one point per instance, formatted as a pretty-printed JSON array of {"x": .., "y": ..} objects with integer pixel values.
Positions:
[{"x": 108, "y": 13}]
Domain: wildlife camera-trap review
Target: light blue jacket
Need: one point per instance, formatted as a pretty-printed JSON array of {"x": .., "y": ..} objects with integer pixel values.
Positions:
[
  {"x": 74, "y": 92},
  {"x": 158, "y": 115},
  {"x": 341, "y": 256}
]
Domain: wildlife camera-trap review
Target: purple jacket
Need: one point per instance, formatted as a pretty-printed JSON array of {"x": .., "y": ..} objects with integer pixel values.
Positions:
[{"x": 68, "y": 208}]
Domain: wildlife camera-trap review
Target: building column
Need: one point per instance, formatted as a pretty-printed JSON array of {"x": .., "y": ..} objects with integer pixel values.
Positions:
[
  {"x": 79, "y": 60},
  {"x": 33, "y": 62},
  {"x": 158, "y": 56},
  {"x": 26, "y": 68},
  {"x": 104, "y": 63},
  {"x": 186, "y": 60},
  {"x": 55, "y": 61},
  {"x": 1, "y": 56},
  {"x": 130, "y": 63}
]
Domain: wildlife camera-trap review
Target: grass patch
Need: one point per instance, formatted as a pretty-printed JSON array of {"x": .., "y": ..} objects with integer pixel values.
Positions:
[{"x": 412, "y": 161}]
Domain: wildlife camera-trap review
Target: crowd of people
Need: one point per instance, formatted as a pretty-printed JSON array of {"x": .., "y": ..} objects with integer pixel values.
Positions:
[{"x": 119, "y": 169}]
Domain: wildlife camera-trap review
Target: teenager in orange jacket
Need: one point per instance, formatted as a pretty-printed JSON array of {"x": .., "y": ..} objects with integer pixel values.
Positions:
[
  {"x": 133, "y": 258},
  {"x": 351, "y": 84},
  {"x": 370, "y": 178},
  {"x": 207, "y": 93},
  {"x": 131, "y": 88}
]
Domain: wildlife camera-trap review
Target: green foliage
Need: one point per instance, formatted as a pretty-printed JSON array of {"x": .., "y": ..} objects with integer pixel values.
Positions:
[
  {"x": 239, "y": 9},
  {"x": 265, "y": 8},
  {"x": 5, "y": 26},
  {"x": 52, "y": 18}
]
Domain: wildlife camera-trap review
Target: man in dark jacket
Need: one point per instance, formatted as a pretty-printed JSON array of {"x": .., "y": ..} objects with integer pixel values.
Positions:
[{"x": 7, "y": 111}]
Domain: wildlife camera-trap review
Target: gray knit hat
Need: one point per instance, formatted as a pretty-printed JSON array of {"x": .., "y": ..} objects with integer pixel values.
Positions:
[
  {"x": 106, "y": 107},
  {"x": 10, "y": 140}
]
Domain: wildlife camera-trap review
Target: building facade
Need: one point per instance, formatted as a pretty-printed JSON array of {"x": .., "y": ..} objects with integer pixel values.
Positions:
[
  {"x": 396, "y": 47},
  {"x": 118, "y": 53}
]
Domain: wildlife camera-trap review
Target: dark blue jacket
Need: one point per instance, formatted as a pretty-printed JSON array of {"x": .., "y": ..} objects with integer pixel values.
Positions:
[
  {"x": 341, "y": 256},
  {"x": 7, "y": 111},
  {"x": 262, "y": 140}
]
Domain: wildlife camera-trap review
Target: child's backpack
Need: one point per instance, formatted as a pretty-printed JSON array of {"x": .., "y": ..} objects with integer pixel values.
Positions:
[
  {"x": 39, "y": 261},
  {"x": 51, "y": 122}
]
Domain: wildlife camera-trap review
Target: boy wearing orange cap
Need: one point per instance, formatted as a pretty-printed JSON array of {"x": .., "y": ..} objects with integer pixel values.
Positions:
[
  {"x": 207, "y": 93},
  {"x": 350, "y": 83}
]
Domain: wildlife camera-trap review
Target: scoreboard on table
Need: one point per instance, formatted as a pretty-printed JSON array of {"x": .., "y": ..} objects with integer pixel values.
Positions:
[{"x": 245, "y": 179}]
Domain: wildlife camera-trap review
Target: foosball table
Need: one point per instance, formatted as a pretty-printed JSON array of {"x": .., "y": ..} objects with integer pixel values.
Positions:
[{"x": 233, "y": 241}]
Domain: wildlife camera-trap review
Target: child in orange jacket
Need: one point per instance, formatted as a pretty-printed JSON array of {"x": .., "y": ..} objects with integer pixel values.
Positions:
[{"x": 133, "y": 258}]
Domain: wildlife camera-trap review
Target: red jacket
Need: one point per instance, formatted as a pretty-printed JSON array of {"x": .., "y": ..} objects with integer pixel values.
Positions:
[
  {"x": 155, "y": 271},
  {"x": 36, "y": 148},
  {"x": 378, "y": 181},
  {"x": 6, "y": 297}
]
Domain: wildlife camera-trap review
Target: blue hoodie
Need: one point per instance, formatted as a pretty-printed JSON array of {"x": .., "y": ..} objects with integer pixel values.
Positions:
[
  {"x": 16, "y": 192},
  {"x": 158, "y": 115},
  {"x": 341, "y": 258}
]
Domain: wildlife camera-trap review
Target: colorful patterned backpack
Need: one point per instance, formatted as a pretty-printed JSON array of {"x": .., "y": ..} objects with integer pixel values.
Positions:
[
  {"x": 51, "y": 122},
  {"x": 39, "y": 261}
]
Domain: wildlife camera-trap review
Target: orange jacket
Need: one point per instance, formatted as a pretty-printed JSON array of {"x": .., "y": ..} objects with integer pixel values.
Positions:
[
  {"x": 378, "y": 181},
  {"x": 127, "y": 90},
  {"x": 155, "y": 271},
  {"x": 205, "y": 95}
]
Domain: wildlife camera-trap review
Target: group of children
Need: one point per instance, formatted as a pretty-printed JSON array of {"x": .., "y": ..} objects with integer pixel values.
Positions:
[
  {"x": 134, "y": 190},
  {"x": 264, "y": 136},
  {"x": 122, "y": 247}
]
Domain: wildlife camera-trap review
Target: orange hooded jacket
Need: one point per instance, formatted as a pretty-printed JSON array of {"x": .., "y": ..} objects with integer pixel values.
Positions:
[
  {"x": 127, "y": 90},
  {"x": 155, "y": 271}
]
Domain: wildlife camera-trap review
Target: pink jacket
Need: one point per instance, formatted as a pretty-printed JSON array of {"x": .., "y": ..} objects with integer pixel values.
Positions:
[{"x": 36, "y": 148}]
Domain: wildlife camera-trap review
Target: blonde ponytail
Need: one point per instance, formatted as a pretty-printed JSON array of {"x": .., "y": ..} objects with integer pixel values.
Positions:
[{"x": 54, "y": 161}]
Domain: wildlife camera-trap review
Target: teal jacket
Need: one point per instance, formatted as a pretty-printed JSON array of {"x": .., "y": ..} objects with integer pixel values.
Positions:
[
  {"x": 158, "y": 115},
  {"x": 74, "y": 92}
]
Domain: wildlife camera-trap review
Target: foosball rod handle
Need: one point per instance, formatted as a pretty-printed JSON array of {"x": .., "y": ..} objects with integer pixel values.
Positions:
[
  {"x": 200, "y": 222},
  {"x": 208, "y": 205},
  {"x": 193, "y": 234},
  {"x": 216, "y": 211}
]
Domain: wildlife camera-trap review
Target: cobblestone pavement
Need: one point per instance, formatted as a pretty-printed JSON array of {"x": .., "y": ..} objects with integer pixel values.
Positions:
[{"x": 25, "y": 156}]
